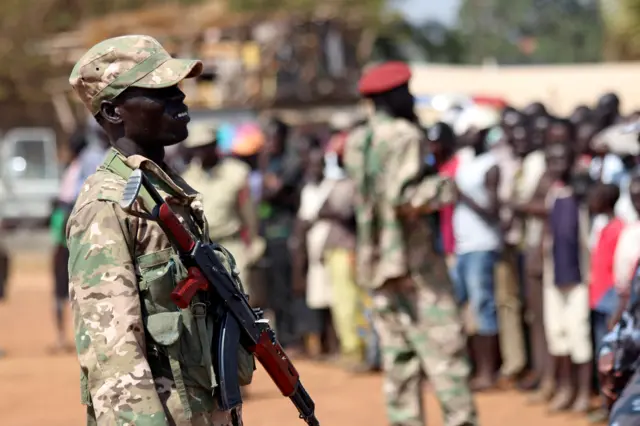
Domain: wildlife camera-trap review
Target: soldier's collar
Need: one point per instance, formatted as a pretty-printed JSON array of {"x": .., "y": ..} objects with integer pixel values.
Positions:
[
  {"x": 170, "y": 178},
  {"x": 380, "y": 115}
]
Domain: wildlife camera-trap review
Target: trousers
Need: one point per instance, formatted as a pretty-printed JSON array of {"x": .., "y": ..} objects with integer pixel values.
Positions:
[
  {"x": 509, "y": 307},
  {"x": 534, "y": 310},
  {"x": 475, "y": 273},
  {"x": 281, "y": 299},
  {"x": 421, "y": 333},
  {"x": 346, "y": 307},
  {"x": 566, "y": 318},
  {"x": 176, "y": 417}
]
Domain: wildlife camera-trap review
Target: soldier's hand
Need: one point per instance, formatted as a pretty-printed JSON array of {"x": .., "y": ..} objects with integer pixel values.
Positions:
[{"x": 409, "y": 213}]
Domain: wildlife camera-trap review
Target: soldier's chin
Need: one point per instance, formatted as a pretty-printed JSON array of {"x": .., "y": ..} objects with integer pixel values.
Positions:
[{"x": 176, "y": 138}]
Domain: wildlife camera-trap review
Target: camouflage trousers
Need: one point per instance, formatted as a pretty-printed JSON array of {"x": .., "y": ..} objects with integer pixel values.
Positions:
[
  {"x": 175, "y": 415},
  {"x": 626, "y": 410},
  {"x": 421, "y": 333}
]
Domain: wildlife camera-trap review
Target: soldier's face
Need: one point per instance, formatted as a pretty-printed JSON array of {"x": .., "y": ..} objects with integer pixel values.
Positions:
[
  {"x": 154, "y": 116},
  {"x": 399, "y": 101}
]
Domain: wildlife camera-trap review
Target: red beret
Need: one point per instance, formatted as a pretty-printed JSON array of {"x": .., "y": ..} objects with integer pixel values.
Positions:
[{"x": 384, "y": 77}]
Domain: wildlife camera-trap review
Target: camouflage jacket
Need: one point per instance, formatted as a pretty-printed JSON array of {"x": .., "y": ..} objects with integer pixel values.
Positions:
[
  {"x": 624, "y": 339},
  {"x": 385, "y": 160},
  {"x": 143, "y": 360}
]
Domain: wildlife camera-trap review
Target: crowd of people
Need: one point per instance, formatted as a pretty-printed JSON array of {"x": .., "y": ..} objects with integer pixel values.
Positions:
[{"x": 540, "y": 242}]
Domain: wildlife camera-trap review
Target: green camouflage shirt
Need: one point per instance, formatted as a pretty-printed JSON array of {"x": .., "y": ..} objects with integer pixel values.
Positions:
[
  {"x": 383, "y": 157},
  {"x": 141, "y": 356}
]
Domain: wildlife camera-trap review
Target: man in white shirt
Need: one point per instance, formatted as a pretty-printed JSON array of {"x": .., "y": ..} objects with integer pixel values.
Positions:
[{"x": 476, "y": 226}]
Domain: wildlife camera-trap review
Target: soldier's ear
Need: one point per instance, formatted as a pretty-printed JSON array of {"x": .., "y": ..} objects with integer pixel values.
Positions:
[{"x": 110, "y": 112}]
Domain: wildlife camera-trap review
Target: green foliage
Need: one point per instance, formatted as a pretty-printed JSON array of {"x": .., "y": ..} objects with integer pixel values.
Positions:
[
  {"x": 369, "y": 7},
  {"x": 622, "y": 29},
  {"x": 556, "y": 31},
  {"x": 24, "y": 23},
  {"x": 430, "y": 41}
]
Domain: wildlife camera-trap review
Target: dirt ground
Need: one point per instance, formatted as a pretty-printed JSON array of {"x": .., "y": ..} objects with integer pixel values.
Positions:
[{"x": 40, "y": 389}]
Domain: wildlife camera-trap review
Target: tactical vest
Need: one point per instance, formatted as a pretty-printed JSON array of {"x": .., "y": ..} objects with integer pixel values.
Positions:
[{"x": 178, "y": 341}]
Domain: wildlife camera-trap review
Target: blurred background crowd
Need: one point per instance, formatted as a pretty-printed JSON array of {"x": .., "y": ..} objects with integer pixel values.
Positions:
[
  {"x": 528, "y": 105},
  {"x": 552, "y": 196}
]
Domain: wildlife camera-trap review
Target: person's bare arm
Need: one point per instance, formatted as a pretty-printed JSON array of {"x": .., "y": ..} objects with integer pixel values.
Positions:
[
  {"x": 537, "y": 205},
  {"x": 536, "y": 208},
  {"x": 623, "y": 301},
  {"x": 490, "y": 213}
]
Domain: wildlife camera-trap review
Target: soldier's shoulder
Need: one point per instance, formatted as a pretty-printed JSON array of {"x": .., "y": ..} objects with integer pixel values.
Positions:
[
  {"x": 102, "y": 186},
  {"x": 357, "y": 134},
  {"x": 396, "y": 128},
  {"x": 235, "y": 172},
  {"x": 237, "y": 166},
  {"x": 96, "y": 215}
]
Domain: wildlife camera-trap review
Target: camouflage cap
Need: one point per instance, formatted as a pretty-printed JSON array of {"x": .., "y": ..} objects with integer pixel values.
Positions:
[{"x": 113, "y": 65}]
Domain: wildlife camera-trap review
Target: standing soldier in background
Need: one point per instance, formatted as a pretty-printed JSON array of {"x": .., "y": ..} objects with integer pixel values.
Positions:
[
  {"x": 415, "y": 313},
  {"x": 224, "y": 183},
  {"x": 143, "y": 361}
]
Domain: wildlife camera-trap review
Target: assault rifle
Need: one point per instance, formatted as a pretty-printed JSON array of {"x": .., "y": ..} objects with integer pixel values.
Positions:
[{"x": 239, "y": 324}]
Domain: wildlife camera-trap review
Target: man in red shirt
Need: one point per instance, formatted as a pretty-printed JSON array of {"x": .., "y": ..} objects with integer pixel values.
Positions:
[{"x": 441, "y": 142}]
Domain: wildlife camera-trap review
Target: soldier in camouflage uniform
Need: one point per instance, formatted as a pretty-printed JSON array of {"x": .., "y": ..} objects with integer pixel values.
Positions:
[
  {"x": 143, "y": 360},
  {"x": 415, "y": 313}
]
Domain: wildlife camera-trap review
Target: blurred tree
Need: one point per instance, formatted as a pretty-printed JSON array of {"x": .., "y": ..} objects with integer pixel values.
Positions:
[
  {"x": 393, "y": 37},
  {"x": 369, "y": 9},
  {"x": 24, "y": 23},
  {"x": 622, "y": 29},
  {"x": 531, "y": 31},
  {"x": 24, "y": 74},
  {"x": 429, "y": 42}
]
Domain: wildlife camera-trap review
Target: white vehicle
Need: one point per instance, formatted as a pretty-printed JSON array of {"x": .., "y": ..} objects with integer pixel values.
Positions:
[{"x": 30, "y": 176}]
